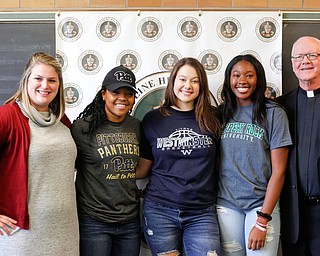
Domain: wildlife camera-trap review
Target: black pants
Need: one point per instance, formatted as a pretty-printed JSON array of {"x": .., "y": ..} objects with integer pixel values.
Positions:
[{"x": 308, "y": 243}]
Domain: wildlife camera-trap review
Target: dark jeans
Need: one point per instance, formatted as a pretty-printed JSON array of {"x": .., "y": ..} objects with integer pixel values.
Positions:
[{"x": 99, "y": 238}]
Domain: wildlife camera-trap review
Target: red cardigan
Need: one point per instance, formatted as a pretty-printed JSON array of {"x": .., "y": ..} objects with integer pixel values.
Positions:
[{"x": 14, "y": 150}]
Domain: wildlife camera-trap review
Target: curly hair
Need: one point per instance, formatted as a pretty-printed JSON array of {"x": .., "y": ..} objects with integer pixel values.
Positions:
[{"x": 95, "y": 112}]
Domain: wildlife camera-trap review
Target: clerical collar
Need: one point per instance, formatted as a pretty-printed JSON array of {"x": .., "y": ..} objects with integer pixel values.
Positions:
[{"x": 310, "y": 94}]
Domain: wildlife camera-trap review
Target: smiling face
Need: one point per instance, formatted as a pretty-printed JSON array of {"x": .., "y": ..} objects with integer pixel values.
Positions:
[
  {"x": 307, "y": 71},
  {"x": 186, "y": 87},
  {"x": 118, "y": 103},
  {"x": 243, "y": 82},
  {"x": 43, "y": 86}
]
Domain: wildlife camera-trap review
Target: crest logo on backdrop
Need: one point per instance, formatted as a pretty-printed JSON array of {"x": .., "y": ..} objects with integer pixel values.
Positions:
[
  {"x": 91, "y": 42},
  {"x": 150, "y": 29},
  {"x": 211, "y": 61},
  {"x": 90, "y": 62},
  {"x": 70, "y": 29},
  {"x": 108, "y": 29},
  {"x": 189, "y": 29},
  {"x": 267, "y": 29},
  {"x": 72, "y": 94},
  {"x": 168, "y": 59},
  {"x": 129, "y": 59},
  {"x": 229, "y": 29}
]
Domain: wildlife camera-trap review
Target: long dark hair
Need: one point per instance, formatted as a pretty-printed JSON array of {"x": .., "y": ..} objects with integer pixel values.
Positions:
[
  {"x": 229, "y": 106},
  {"x": 207, "y": 115},
  {"x": 94, "y": 113}
]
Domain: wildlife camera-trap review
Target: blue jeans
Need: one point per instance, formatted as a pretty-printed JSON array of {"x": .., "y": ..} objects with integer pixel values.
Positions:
[
  {"x": 235, "y": 227},
  {"x": 192, "y": 232},
  {"x": 99, "y": 238}
]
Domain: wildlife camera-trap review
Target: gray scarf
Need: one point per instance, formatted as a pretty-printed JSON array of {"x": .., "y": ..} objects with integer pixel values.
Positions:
[{"x": 42, "y": 119}]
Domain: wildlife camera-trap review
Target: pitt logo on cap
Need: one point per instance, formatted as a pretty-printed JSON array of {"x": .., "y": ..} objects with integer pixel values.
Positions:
[{"x": 123, "y": 76}]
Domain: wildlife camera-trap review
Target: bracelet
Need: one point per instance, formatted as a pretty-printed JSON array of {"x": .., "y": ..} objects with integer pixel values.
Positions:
[
  {"x": 264, "y": 215},
  {"x": 262, "y": 225},
  {"x": 260, "y": 228}
]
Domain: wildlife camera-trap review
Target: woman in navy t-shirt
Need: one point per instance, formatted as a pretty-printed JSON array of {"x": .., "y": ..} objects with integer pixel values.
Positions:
[{"x": 178, "y": 152}]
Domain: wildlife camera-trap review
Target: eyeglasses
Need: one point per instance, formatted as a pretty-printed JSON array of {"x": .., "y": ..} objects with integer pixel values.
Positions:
[{"x": 300, "y": 57}]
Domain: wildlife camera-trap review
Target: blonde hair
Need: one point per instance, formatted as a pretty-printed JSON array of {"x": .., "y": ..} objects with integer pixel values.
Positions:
[{"x": 57, "y": 106}]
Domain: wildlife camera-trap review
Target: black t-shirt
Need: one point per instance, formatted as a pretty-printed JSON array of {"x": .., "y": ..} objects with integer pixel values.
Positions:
[{"x": 105, "y": 182}]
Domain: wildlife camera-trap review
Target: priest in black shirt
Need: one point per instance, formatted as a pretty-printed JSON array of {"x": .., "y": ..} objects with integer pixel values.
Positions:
[{"x": 300, "y": 200}]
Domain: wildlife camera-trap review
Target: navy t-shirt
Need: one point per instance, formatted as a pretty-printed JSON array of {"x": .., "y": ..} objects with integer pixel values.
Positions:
[{"x": 183, "y": 173}]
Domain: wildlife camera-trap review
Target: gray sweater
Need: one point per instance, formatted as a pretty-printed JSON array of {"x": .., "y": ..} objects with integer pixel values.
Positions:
[{"x": 51, "y": 197}]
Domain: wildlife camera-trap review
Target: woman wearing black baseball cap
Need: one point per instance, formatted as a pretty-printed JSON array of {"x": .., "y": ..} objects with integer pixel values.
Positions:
[{"x": 107, "y": 140}]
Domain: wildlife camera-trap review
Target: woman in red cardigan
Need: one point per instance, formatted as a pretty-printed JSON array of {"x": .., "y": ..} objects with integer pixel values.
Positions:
[{"x": 38, "y": 213}]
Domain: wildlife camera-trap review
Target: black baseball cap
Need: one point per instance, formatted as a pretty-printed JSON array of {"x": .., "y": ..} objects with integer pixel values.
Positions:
[{"x": 119, "y": 77}]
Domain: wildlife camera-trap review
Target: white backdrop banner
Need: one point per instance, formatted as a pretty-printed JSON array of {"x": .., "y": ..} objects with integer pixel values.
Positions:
[{"x": 89, "y": 44}]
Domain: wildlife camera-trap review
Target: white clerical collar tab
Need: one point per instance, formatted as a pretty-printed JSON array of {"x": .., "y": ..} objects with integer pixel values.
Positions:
[{"x": 310, "y": 94}]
